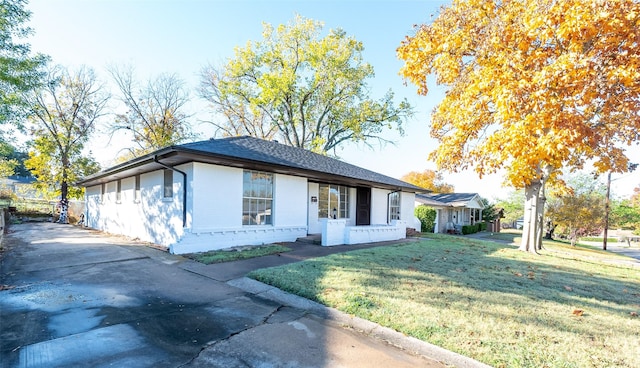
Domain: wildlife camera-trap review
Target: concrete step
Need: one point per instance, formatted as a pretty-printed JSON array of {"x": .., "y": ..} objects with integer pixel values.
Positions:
[{"x": 311, "y": 239}]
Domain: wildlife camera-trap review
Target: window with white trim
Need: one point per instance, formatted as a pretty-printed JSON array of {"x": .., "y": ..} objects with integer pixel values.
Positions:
[
  {"x": 257, "y": 198},
  {"x": 333, "y": 197},
  {"x": 394, "y": 206}
]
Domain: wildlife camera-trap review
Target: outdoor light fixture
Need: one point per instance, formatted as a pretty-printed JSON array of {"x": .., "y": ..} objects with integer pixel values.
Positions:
[{"x": 335, "y": 213}]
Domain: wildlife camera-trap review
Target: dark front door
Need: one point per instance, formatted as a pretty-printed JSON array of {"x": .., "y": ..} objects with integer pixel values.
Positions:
[{"x": 363, "y": 206}]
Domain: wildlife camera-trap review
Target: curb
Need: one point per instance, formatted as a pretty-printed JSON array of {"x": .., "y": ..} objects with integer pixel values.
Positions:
[{"x": 332, "y": 315}]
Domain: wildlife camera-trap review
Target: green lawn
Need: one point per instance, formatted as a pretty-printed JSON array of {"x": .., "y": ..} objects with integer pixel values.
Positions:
[
  {"x": 568, "y": 307},
  {"x": 228, "y": 255}
]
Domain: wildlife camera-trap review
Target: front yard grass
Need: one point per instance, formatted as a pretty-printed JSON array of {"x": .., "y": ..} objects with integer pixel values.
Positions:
[{"x": 568, "y": 307}]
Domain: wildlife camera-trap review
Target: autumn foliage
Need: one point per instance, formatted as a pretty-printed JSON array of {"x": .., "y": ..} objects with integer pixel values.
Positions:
[
  {"x": 536, "y": 87},
  {"x": 428, "y": 179}
]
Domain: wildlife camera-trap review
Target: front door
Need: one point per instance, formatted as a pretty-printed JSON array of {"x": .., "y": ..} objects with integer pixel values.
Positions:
[{"x": 363, "y": 206}]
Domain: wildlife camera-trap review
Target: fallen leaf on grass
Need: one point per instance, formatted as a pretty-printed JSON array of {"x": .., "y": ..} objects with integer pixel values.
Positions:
[
  {"x": 633, "y": 314},
  {"x": 578, "y": 312},
  {"x": 518, "y": 274},
  {"x": 568, "y": 288}
]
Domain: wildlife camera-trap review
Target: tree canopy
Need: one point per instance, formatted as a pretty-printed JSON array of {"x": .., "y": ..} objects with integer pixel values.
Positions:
[
  {"x": 428, "y": 179},
  {"x": 301, "y": 88},
  {"x": 535, "y": 88},
  {"x": 19, "y": 71},
  {"x": 62, "y": 118},
  {"x": 155, "y": 112},
  {"x": 579, "y": 211}
]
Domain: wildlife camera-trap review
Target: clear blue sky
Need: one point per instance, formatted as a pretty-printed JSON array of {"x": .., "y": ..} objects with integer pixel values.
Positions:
[{"x": 183, "y": 36}]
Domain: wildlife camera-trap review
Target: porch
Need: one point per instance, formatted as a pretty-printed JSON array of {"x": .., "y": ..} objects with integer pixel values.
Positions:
[
  {"x": 336, "y": 232},
  {"x": 451, "y": 220}
]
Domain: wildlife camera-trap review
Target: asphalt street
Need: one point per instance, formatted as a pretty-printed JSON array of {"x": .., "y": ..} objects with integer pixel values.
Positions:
[{"x": 72, "y": 297}]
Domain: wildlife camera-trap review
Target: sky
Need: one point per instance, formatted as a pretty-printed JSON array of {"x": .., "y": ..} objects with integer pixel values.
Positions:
[{"x": 183, "y": 37}]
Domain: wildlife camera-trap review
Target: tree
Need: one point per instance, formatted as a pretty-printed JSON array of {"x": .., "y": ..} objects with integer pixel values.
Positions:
[
  {"x": 155, "y": 113},
  {"x": 305, "y": 90},
  {"x": 19, "y": 72},
  {"x": 490, "y": 212},
  {"x": 513, "y": 206},
  {"x": 625, "y": 215},
  {"x": 532, "y": 87},
  {"x": 580, "y": 211},
  {"x": 12, "y": 160},
  {"x": 428, "y": 179},
  {"x": 63, "y": 117}
]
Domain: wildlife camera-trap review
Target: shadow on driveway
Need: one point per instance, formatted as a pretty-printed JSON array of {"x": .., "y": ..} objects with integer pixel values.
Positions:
[{"x": 75, "y": 297}]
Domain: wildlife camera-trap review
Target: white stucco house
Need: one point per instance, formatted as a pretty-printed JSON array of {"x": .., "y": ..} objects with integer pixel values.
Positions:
[
  {"x": 236, "y": 191},
  {"x": 453, "y": 210}
]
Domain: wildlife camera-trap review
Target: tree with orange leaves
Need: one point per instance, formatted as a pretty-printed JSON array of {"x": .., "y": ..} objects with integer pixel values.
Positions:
[
  {"x": 428, "y": 179},
  {"x": 537, "y": 88}
]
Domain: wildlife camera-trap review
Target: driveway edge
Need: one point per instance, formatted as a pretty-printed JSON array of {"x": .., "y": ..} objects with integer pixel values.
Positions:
[{"x": 332, "y": 315}]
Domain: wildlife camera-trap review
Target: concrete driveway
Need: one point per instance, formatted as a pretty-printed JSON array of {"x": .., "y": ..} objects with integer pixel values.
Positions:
[{"x": 75, "y": 297}]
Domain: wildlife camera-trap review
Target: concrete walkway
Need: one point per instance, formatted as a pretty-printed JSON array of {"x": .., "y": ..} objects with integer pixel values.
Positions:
[{"x": 72, "y": 297}]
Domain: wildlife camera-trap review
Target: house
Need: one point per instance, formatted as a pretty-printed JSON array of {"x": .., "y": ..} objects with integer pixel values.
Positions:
[
  {"x": 221, "y": 193},
  {"x": 453, "y": 210},
  {"x": 21, "y": 186}
]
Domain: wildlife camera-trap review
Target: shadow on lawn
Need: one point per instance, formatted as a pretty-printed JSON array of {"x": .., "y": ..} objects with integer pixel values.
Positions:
[{"x": 487, "y": 273}]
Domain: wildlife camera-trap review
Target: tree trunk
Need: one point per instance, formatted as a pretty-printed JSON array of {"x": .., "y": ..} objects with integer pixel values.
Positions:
[
  {"x": 531, "y": 225},
  {"x": 64, "y": 192},
  {"x": 534, "y": 200}
]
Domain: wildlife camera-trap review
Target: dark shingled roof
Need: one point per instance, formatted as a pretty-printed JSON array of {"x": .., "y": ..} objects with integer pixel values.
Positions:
[{"x": 254, "y": 151}]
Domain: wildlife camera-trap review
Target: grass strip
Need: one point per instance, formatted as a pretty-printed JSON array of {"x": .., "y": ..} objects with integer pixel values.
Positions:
[
  {"x": 566, "y": 307},
  {"x": 228, "y": 255}
]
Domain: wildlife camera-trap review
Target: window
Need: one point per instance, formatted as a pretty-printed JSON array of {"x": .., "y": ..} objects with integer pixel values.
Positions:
[
  {"x": 102, "y": 192},
  {"x": 333, "y": 197},
  {"x": 136, "y": 197},
  {"x": 257, "y": 198},
  {"x": 118, "y": 191},
  {"x": 394, "y": 206},
  {"x": 168, "y": 183}
]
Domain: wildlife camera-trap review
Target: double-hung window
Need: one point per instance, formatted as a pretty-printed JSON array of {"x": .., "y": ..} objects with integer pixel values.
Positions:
[
  {"x": 257, "y": 198},
  {"x": 333, "y": 201},
  {"x": 394, "y": 206}
]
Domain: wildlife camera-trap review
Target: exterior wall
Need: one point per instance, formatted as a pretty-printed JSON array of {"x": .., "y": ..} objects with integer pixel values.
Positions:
[
  {"x": 407, "y": 209},
  {"x": 217, "y": 211},
  {"x": 150, "y": 218},
  {"x": 217, "y": 192},
  {"x": 379, "y": 206}
]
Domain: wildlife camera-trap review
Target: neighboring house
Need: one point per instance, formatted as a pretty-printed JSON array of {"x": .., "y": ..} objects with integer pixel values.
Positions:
[
  {"x": 236, "y": 191},
  {"x": 453, "y": 210},
  {"x": 21, "y": 186}
]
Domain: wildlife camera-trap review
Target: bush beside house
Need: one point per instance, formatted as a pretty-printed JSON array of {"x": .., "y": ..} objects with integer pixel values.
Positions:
[{"x": 427, "y": 217}]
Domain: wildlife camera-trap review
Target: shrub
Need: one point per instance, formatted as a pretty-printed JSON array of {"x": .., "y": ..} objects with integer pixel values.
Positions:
[
  {"x": 427, "y": 217},
  {"x": 482, "y": 226},
  {"x": 469, "y": 229}
]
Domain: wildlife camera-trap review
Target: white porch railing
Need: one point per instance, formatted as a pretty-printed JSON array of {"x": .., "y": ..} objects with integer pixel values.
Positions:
[{"x": 336, "y": 232}]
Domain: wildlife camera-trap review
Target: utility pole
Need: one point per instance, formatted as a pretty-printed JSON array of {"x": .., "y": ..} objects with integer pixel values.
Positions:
[{"x": 631, "y": 167}]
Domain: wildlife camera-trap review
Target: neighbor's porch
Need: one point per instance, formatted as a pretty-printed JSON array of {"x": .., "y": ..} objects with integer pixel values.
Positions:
[{"x": 450, "y": 220}]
